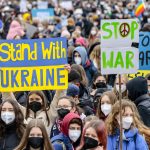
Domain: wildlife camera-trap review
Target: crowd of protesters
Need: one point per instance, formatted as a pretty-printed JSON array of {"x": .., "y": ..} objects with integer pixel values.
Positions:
[{"x": 86, "y": 116}]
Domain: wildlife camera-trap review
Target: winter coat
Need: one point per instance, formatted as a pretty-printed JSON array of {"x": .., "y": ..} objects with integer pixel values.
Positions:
[
  {"x": 52, "y": 111},
  {"x": 62, "y": 141},
  {"x": 132, "y": 140},
  {"x": 137, "y": 92},
  {"x": 11, "y": 139},
  {"x": 86, "y": 63},
  {"x": 143, "y": 106}
]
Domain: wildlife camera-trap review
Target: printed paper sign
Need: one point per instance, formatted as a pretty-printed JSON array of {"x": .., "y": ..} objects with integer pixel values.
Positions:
[
  {"x": 43, "y": 14},
  {"x": 144, "y": 54},
  {"x": 119, "y": 32},
  {"x": 33, "y": 64}
]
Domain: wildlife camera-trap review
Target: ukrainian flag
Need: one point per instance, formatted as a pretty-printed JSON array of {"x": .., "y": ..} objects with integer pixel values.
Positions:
[{"x": 140, "y": 8}]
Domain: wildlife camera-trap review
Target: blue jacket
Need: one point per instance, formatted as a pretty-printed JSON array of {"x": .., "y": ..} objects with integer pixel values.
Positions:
[
  {"x": 61, "y": 140},
  {"x": 86, "y": 63},
  {"x": 132, "y": 140}
]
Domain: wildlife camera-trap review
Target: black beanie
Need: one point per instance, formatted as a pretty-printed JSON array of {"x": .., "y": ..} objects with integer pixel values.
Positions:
[{"x": 137, "y": 87}]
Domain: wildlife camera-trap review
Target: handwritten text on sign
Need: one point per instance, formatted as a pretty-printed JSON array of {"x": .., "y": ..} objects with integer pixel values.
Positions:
[
  {"x": 119, "y": 33},
  {"x": 33, "y": 64},
  {"x": 144, "y": 47},
  {"x": 119, "y": 60}
]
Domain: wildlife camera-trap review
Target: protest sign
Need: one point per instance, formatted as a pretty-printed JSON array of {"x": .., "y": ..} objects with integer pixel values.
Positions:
[
  {"x": 66, "y": 5},
  {"x": 144, "y": 51},
  {"x": 119, "y": 33},
  {"x": 43, "y": 14},
  {"x": 42, "y": 4},
  {"x": 30, "y": 30},
  {"x": 23, "y": 6},
  {"x": 33, "y": 64},
  {"x": 119, "y": 60},
  {"x": 142, "y": 73},
  {"x": 117, "y": 55}
]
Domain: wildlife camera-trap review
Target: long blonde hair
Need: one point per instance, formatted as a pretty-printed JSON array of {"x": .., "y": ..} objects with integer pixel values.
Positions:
[
  {"x": 35, "y": 123},
  {"x": 111, "y": 122}
]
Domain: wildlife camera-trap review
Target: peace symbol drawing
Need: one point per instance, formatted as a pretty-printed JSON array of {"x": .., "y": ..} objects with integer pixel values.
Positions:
[{"x": 124, "y": 29}]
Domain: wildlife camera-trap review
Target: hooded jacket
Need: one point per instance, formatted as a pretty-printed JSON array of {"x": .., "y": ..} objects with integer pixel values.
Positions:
[
  {"x": 137, "y": 92},
  {"x": 132, "y": 140},
  {"x": 85, "y": 62},
  {"x": 62, "y": 140}
]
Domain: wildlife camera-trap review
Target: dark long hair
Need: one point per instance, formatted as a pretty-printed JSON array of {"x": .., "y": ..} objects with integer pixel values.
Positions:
[
  {"x": 19, "y": 119},
  {"x": 39, "y": 93},
  {"x": 35, "y": 123},
  {"x": 99, "y": 127}
]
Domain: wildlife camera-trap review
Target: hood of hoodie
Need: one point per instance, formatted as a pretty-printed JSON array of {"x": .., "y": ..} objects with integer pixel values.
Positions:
[
  {"x": 137, "y": 87},
  {"x": 83, "y": 53},
  {"x": 66, "y": 122}
]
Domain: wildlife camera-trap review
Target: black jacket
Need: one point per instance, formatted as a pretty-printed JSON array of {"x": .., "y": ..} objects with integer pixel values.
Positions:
[
  {"x": 11, "y": 139},
  {"x": 143, "y": 105}
]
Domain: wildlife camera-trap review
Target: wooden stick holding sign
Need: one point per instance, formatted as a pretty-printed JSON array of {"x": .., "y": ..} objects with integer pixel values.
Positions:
[
  {"x": 117, "y": 54},
  {"x": 120, "y": 101}
]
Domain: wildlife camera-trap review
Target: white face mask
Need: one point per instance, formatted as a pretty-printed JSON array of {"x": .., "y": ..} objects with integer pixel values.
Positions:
[
  {"x": 8, "y": 117},
  {"x": 93, "y": 32},
  {"x": 126, "y": 122},
  {"x": 74, "y": 135},
  {"x": 77, "y": 60},
  {"x": 123, "y": 88},
  {"x": 106, "y": 108},
  {"x": 95, "y": 63}
]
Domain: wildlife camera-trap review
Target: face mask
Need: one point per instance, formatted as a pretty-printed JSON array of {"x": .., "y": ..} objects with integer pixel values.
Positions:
[
  {"x": 95, "y": 63},
  {"x": 8, "y": 117},
  {"x": 93, "y": 32},
  {"x": 40, "y": 29},
  {"x": 123, "y": 88},
  {"x": 35, "y": 142},
  {"x": 126, "y": 122},
  {"x": 77, "y": 60},
  {"x": 35, "y": 106},
  {"x": 101, "y": 85},
  {"x": 74, "y": 135},
  {"x": 90, "y": 143},
  {"x": 62, "y": 112},
  {"x": 106, "y": 108},
  {"x": 78, "y": 31}
]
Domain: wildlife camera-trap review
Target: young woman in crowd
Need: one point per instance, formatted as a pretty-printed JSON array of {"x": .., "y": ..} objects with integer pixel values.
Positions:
[
  {"x": 124, "y": 80},
  {"x": 35, "y": 137},
  {"x": 71, "y": 131},
  {"x": 11, "y": 125},
  {"x": 132, "y": 139},
  {"x": 105, "y": 104},
  {"x": 65, "y": 105},
  {"x": 94, "y": 136},
  {"x": 93, "y": 35},
  {"x": 99, "y": 82},
  {"x": 37, "y": 108}
]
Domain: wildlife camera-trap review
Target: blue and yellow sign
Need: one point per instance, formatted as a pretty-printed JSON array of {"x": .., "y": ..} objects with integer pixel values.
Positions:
[{"x": 36, "y": 64}]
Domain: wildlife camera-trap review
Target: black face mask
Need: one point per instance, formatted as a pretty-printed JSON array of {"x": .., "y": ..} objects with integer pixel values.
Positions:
[
  {"x": 35, "y": 142},
  {"x": 101, "y": 85},
  {"x": 35, "y": 106},
  {"x": 90, "y": 143},
  {"x": 62, "y": 112}
]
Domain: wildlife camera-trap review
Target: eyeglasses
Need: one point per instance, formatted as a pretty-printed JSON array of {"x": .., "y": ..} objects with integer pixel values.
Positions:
[{"x": 64, "y": 107}]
